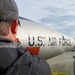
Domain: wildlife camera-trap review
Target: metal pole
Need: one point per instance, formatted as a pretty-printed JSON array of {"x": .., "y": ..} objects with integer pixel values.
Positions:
[{"x": 74, "y": 65}]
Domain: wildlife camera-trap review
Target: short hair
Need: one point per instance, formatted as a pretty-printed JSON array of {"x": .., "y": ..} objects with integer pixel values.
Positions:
[{"x": 4, "y": 28}]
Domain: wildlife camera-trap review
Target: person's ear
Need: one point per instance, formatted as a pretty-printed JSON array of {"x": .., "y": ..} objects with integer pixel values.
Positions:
[{"x": 13, "y": 26}]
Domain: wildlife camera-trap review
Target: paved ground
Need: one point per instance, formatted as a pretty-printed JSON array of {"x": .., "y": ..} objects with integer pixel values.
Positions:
[{"x": 63, "y": 63}]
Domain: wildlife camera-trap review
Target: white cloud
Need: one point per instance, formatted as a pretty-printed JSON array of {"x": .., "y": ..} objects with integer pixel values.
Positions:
[
  {"x": 70, "y": 23},
  {"x": 33, "y": 8},
  {"x": 52, "y": 26},
  {"x": 61, "y": 10},
  {"x": 73, "y": 33}
]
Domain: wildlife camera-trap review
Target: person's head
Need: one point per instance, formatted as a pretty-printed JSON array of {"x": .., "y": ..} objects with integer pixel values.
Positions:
[{"x": 8, "y": 18}]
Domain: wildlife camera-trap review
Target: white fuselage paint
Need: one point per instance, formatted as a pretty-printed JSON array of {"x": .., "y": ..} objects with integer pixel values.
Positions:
[{"x": 51, "y": 42}]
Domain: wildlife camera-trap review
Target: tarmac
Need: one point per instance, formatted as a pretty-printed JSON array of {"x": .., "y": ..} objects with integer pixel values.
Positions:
[{"x": 63, "y": 63}]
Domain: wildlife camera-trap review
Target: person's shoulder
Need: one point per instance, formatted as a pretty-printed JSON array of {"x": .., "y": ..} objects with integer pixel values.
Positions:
[
  {"x": 40, "y": 66},
  {"x": 37, "y": 65}
]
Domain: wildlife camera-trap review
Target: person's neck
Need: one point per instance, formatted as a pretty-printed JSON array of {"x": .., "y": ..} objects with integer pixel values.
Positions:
[{"x": 10, "y": 37}]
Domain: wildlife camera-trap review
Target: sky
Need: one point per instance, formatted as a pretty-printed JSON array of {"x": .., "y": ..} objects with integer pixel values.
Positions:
[{"x": 56, "y": 14}]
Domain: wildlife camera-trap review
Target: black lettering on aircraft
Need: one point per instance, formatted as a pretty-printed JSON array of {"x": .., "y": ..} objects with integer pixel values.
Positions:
[
  {"x": 49, "y": 42},
  {"x": 40, "y": 41},
  {"x": 60, "y": 41},
  {"x": 31, "y": 41},
  {"x": 52, "y": 41},
  {"x": 64, "y": 42}
]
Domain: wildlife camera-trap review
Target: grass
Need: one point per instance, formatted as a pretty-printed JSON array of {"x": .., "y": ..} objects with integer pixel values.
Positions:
[{"x": 58, "y": 73}]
